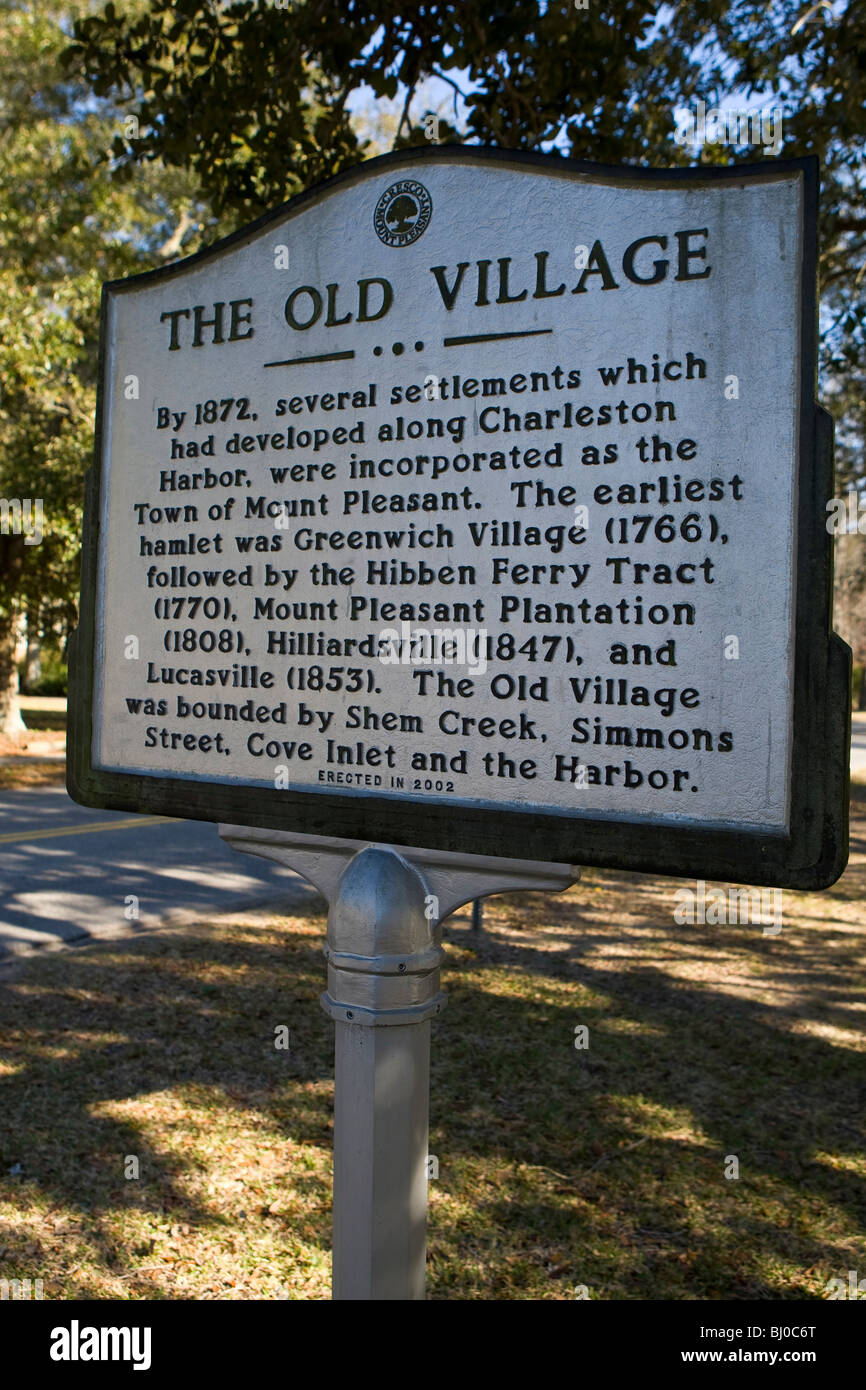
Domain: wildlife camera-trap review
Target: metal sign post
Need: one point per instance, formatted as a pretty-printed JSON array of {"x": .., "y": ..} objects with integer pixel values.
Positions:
[{"x": 384, "y": 952}]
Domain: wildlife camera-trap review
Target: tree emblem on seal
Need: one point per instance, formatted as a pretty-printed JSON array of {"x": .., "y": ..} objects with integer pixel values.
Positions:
[{"x": 403, "y": 213}]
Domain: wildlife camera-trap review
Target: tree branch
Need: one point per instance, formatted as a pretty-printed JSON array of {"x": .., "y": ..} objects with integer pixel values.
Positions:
[
  {"x": 172, "y": 246},
  {"x": 457, "y": 90}
]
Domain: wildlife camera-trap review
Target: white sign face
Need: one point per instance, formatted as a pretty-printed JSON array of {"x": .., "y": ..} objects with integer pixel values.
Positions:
[{"x": 467, "y": 484}]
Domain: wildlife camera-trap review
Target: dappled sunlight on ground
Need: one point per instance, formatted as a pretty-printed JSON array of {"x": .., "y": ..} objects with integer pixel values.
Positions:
[{"x": 707, "y": 1141}]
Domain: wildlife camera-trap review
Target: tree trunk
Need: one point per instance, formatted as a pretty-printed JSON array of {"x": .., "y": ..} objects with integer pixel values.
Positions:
[
  {"x": 11, "y": 722},
  {"x": 33, "y": 659},
  {"x": 11, "y": 564},
  {"x": 861, "y": 702}
]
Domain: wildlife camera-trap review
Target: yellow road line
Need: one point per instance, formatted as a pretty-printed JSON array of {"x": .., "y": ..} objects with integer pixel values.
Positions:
[{"x": 85, "y": 829}]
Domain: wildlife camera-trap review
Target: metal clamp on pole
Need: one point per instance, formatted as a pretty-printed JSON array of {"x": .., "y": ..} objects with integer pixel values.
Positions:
[{"x": 384, "y": 956}]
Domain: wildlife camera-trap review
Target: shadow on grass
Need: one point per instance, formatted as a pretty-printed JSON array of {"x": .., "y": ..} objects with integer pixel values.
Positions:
[
  {"x": 38, "y": 719},
  {"x": 604, "y": 1166},
  {"x": 640, "y": 1129},
  {"x": 189, "y": 1014},
  {"x": 707, "y": 1044}
]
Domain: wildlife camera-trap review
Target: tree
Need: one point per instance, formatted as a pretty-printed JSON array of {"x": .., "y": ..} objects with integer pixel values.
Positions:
[
  {"x": 270, "y": 87},
  {"x": 402, "y": 213},
  {"x": 811, "y": 58},
  {"x": 65, "y": 226},
  {"x": 270, "y": 90}
]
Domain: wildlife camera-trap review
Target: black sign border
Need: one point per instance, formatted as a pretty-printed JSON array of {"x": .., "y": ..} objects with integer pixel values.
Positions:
[{"x": 814, "y": 852}]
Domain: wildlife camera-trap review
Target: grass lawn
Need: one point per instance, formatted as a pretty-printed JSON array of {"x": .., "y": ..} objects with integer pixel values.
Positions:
[
  {"x": 558, "y": 1167},
  {"x": 38, "y": 719},
  {"x": 23, "y": 760},
  {"x": 31, "y": 772}
]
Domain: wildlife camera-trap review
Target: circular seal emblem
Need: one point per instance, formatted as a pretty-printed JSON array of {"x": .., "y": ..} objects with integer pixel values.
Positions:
[{"x": 403, "y": 213}]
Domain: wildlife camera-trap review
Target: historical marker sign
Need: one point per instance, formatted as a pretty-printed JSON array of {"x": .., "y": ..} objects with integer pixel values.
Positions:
[{"x": 477, "y": 500}]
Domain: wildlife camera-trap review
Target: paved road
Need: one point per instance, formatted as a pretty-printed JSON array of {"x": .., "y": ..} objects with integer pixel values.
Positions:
[
  {"x": 858, "y": 743},
  {"x": 66, "y": 870}
]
